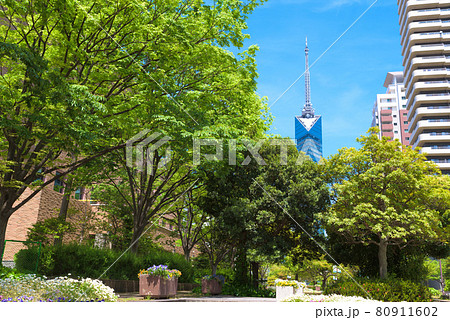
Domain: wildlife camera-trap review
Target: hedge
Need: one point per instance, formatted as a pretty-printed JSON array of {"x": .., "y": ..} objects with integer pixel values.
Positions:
[
  {"x": 88, "y": 262},
  {"x": 391, "y": 290}
]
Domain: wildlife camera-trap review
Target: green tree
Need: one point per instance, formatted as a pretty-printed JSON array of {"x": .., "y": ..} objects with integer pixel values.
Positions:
[
  {"x": 82, "y": 77},
  {"x": 268, "y": 209},
  {"x": 189, "y": 221},
  {"x": 380, "y": 196}
]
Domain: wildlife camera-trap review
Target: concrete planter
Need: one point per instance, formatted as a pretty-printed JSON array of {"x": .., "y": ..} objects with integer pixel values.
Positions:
[
  {"x": 298, "y": 291},
  {"x": 212, "y": 286},
  {"x": 157, "y": 287},
  {"x": 284, "y": 292}
]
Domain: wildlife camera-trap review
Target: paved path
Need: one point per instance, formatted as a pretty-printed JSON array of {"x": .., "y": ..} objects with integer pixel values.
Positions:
[{"x": 134, "y": 297}]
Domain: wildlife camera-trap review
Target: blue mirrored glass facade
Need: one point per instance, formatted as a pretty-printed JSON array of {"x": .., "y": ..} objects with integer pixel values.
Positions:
[{"x": 308, "y": 136}]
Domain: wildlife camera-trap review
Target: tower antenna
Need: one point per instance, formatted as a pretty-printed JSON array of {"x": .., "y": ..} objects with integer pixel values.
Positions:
[{"x": 308, "y": 111}]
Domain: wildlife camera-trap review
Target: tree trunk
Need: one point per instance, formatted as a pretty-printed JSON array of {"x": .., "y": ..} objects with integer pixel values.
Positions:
[
  {"x": 382, "y": 258},
  {"x": 135, "y": 242},
  {"x": 187, "y": 254},
  {"x": 324, "y": 282},
  {"x": 63, "y": 210},
  {"x": 3, "y": 224},
  {"x": 137, "y": 233},
  {"x": 214, "y": 268},
  {"x": 241, "y": 266},
  {"x": 255, "y": 274}
]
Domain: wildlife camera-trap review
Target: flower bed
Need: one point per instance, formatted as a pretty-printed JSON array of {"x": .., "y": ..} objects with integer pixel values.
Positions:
[
  {"x": 162, "y": 271},
  {"x": 158, "y": 282},
  {"x": 323, "y": 298},
  {"x": 27, "y": 288}
]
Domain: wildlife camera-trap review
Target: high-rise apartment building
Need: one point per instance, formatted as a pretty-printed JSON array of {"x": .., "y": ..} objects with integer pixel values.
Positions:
[
  {"x": 389, "y": 111},
  {"x": 308, "y": 126},
  {"x": 425, "y": 40}
]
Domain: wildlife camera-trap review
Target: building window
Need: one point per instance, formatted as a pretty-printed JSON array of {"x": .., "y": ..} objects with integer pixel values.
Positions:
[
  {"x": 405, "y": 122},
  {"x": 78, "y": 194},
  {"x": 59, "y": 184},
  {"x": 406, "y": 130},
  {"x": 395, "y": 131},
  {"x": 39, "y": 176},
  {"x": 407, "y": 138}
]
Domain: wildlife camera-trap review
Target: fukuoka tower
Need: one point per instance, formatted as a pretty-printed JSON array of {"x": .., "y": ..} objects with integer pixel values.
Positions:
[{"x": 308, "y": 126}]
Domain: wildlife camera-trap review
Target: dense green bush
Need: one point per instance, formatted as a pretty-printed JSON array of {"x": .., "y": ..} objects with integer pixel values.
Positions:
[
  {"x": 392, "y": 290},
  {"x": 84, "y": 261},
  {"x": 434, "y": 292},
  {"x": 9, "y": 273},
  {"x": 230, "y": 289},
  {"x": 246, "y": 291}
]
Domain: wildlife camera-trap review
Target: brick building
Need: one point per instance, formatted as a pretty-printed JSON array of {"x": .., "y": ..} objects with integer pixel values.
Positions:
[{"x": 81, "y": 214}]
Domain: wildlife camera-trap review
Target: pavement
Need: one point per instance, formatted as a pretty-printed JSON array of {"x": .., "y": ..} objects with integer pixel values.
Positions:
[{"x": 186, "y": 296}]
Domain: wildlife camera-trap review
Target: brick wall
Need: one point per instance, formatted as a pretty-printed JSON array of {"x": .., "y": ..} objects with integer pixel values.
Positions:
[
  {"x": 168, "y": 242},
  {"x": 23, "y": 218},
  {"x": 19, "y": 223},
  {"x": 78, "y": 213}
]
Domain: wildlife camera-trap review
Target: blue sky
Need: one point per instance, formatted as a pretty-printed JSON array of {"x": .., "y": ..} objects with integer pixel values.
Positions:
[{"x": 344, "y": 81}]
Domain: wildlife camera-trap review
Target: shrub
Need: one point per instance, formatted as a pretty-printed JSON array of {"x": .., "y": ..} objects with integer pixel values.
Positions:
[
  {"x": 32, "y": 288},
  {"x": 435, "y": 293},
  {"x": 88, "y": 262},
  {"x": 6, "y": 272},
  {"x": 246, "y": 291},
  {"x": 48, "y": 230},
  {"x": 391, "y": 290}
]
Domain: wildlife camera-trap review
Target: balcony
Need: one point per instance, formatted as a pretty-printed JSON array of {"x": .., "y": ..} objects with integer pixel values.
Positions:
[
  {"x": 424, "y": 138},
  {"x": 405, "y": 6},
  {"x": 436, "y": 152},
  {"x": 427, "y": 99},
  {"x": 438, "y": 85},
  {"x": 425, "y": 38},
  {"x": 386, "y": 119},
  {"x": 434, "y": 50},
  {"x": 421, "y": 112},
  {"x": 426, "y": 125},
  {"x": 423, "y": 27},
  {"x": 443, "y": 164},
  {"x": 424, "y": 14}
]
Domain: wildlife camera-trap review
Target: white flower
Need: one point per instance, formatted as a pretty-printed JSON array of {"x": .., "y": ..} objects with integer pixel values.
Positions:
[{"x": 323, "y": 298}]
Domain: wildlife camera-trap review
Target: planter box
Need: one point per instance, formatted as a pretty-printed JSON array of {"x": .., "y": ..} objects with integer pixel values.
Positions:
[
  {"x": 298, "y": 291},
  {"x": 157, "y": 287},
  {"x": 284, "y": 292},
  {"x": 212, "y": 286}
]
